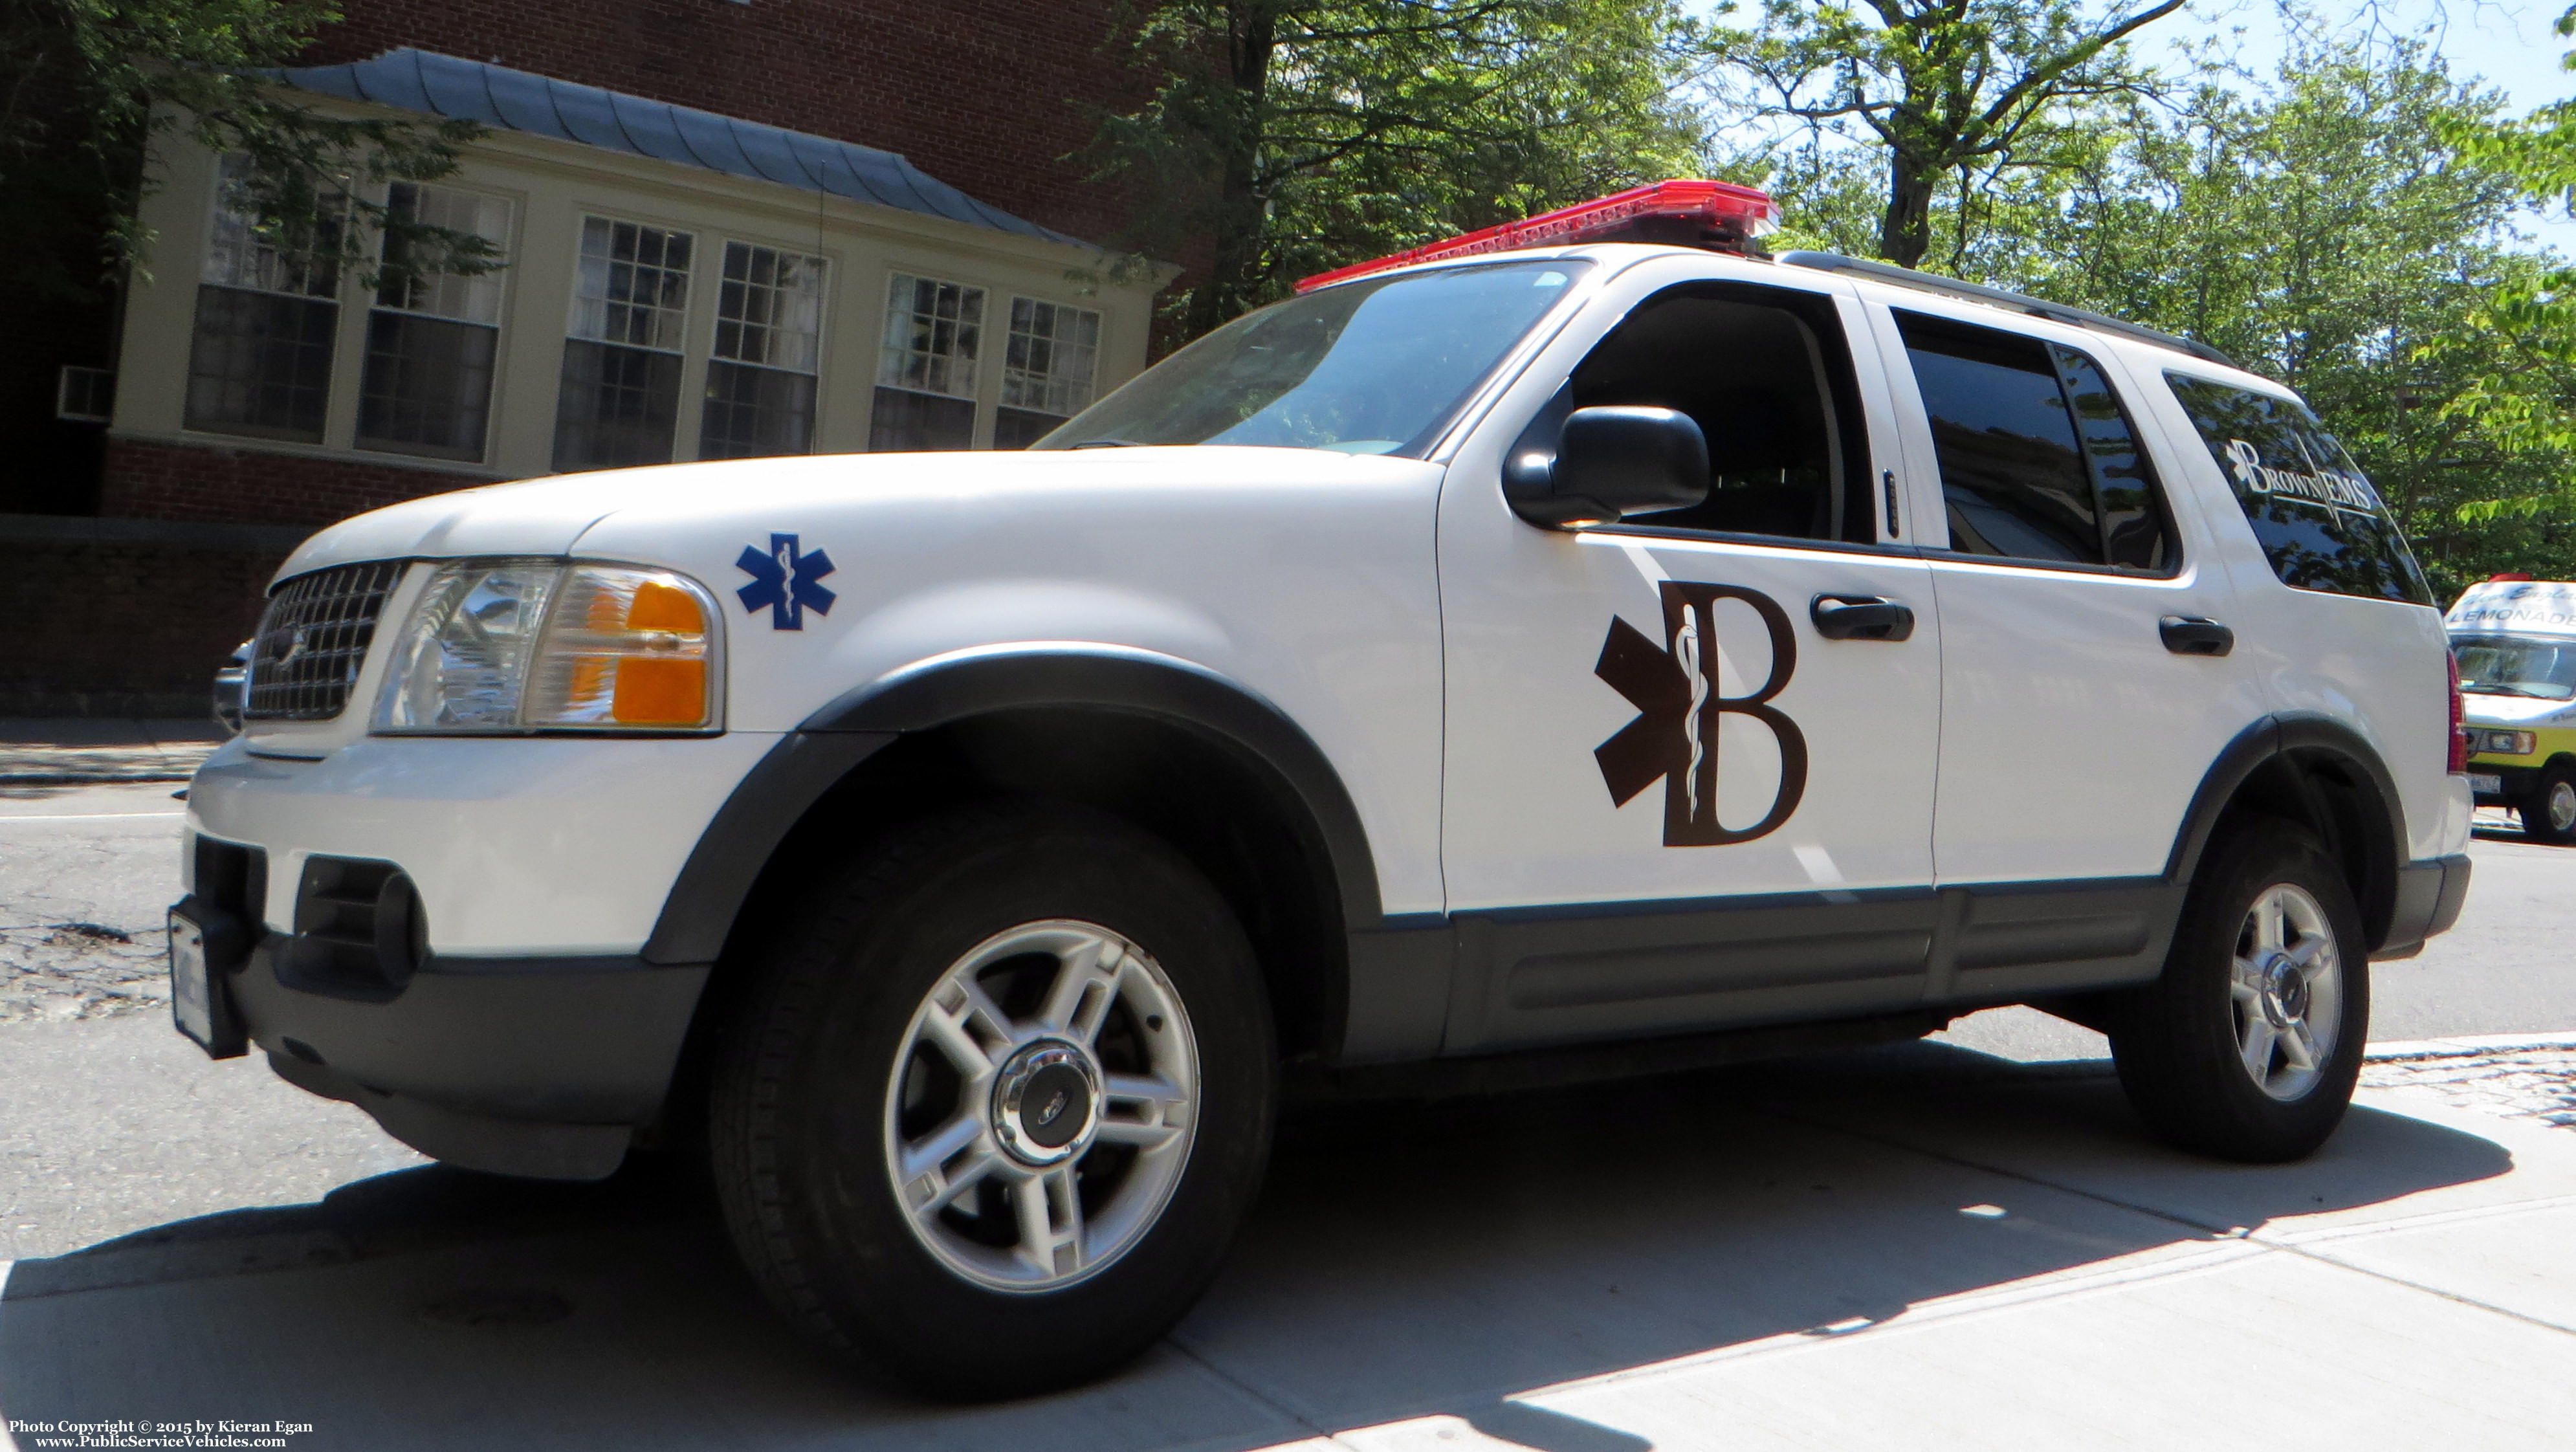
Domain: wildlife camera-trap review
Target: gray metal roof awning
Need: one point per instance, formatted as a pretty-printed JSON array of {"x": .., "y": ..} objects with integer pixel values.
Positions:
[{"x": 508, "y": 100}]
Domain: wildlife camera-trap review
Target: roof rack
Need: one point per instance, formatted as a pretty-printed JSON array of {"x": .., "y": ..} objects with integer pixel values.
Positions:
[{"x": 2054, "y": 312}]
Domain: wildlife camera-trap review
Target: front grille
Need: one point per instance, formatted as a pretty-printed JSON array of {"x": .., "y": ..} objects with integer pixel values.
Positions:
[{"x": 313, "y": 640}]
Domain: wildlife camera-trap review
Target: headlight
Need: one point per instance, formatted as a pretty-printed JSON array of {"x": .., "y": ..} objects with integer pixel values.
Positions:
[
  {"x": 2502, "y": 743},
  {"x": 533, "y": 645}
]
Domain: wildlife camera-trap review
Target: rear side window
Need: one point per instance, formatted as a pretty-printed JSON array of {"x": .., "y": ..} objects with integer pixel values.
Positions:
[
  {"x": 2038, "y": 461},
  {"x": 2320, "y": 523}
]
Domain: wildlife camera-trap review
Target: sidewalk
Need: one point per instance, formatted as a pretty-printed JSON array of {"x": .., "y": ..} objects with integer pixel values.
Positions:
[
  {"x": 1913, "y": 1247},
  {"x": 68, "y": 751}
]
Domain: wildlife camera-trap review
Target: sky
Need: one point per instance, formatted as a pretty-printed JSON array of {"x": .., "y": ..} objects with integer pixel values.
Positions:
[{"x": 2509, "y": 45}]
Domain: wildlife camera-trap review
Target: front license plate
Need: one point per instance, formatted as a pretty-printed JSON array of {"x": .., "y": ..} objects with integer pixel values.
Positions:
[
  {"x": 192, "y": 996},
  {"x": 2491, "y": 785}
]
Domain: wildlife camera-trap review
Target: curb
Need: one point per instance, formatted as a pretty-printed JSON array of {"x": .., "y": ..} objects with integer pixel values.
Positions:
[{"x": 2467, "y": 1046}]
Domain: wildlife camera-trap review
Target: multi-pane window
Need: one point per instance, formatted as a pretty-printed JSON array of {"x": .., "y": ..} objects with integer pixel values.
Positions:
[
  {"x": 260, "y": 361},
  {"x": 1047, "y": 370},
  {"x": 621, "y": 372},
  {"x": 431, "y": 337},
  {"x": 769, "y": 328},
  {"x": 926, "y": 373}
]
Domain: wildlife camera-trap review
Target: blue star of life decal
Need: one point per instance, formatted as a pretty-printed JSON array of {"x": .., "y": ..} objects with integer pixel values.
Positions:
[{"x": 784, "y": 580}]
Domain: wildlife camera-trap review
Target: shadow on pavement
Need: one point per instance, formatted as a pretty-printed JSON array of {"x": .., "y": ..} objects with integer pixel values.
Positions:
[{"x": 1406, "y": 1260}]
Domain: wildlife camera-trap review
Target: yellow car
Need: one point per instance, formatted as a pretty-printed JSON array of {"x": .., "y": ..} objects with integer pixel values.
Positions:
[{"x": 2516, "y": 645}]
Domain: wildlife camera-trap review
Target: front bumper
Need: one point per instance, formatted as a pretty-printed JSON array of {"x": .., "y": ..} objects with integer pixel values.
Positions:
[
  {"x": 2517, "y": 783},
  {"x": 513, "y": 1026}
]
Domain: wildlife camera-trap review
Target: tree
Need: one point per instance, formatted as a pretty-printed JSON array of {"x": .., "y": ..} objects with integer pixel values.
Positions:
[
  {"x": 90, "y": 87},
  {"x": 1948, "y": 88},
  {"x": 1299, "y": 135},
  {"x": 2315, "y": 225}
]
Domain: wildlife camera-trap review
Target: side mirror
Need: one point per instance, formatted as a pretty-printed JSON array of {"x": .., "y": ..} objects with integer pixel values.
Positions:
[{"x": 1609, "y": 463}]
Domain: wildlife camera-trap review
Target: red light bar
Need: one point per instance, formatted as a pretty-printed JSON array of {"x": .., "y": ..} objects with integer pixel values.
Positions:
[{"x": 1685, "y": 213}]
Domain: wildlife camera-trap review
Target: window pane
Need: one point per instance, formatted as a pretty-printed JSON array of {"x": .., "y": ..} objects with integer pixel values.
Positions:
[
  {"x": 770, "y": 309},
  {"x": 475, "y": 299},
  {"x": 2133, "y": 522},
  {"x": 617, "y": 406},
  {"x": 1765, "y": 375},
  {"x": 2012, "y": 468},
  {"x": 907, "y": 422},
  {"x": 2320, "y": 522},
  {"x": 634, "y": 284},
  {"x": 427, "y": 387},
  {"x": 933, "y": 335},
  {"x": 238, "y": 256},
  {"x": 260, "y": 364},
  {"x": 756, "y": 412},
  {"x": 1054, "y": 351},
  {"x": 1017, "y": 428}
]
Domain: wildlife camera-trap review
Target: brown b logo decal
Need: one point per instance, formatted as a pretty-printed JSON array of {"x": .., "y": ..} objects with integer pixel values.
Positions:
[{"x": 1675, "y": 691}]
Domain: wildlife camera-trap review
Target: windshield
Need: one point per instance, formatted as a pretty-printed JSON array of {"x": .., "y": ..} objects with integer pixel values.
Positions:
[
  {"x": 2510, "y": 665},
  {"x": 1372, "y": 367}
]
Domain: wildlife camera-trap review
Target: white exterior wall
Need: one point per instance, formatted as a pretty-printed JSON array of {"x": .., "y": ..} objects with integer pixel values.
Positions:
[{"x": 553, "y": 185}]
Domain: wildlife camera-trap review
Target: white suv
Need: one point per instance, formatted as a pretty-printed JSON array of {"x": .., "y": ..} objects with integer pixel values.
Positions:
[{"x": 1544, "y": 662}]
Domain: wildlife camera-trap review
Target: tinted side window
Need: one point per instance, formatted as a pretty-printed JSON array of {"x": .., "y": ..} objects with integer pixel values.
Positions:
[
  {"x": 2038, "y": 461},
  {"x": 1765, "y": 374},
  {"x": 2321, "y": 524}
]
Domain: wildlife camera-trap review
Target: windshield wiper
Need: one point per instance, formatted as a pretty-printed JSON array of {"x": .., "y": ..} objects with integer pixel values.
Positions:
[
  {"x": 2500, "y": 688},
  {"x": 1109, "y": 444}
]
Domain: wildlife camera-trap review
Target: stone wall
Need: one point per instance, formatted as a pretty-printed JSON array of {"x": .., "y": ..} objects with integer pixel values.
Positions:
[
  {"x": 116, "y": 617},
  {"x": 217, "y": 484}
]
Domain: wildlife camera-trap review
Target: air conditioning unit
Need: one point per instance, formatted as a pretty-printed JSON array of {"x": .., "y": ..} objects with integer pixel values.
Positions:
[{"x": 85, "y": 395}]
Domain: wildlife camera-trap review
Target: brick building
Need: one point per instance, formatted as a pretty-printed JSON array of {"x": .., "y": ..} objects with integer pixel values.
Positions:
[{"x": 732, "y": 228}]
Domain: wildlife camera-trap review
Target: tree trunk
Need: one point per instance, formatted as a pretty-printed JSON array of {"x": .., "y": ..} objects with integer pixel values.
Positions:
[
  {"x": 1233, "y": 274},
  {"x": 1905, "y": 230}
]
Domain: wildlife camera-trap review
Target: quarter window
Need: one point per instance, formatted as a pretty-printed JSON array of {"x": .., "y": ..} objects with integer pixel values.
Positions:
[
  {"x": 1047, "y": 371},
  {"x": 925, "y": 395},
  {"x": 259, "y": 364},
  {"x": 621, "y": 373},
  {"x": 769, "y": 328},
  {"x": 431, "y": 338},
  {"x": 2320, "y": 522},
  {"x": 2037, "y": 458}
]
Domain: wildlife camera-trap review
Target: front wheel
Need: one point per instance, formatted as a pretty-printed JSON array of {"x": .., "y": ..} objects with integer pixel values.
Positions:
[
  {"x": 990, "y": 1120},
  {"x": 2249, "y": 1045},
  {"x": 2549, "y": 813}
]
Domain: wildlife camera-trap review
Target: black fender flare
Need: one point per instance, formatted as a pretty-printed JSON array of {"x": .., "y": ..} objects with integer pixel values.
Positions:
[
  {"x": 698, "y": 915},
  {"x": 2279, "y": 735}
]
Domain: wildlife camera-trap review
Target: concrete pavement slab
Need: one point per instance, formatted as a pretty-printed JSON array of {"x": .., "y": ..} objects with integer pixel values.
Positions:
[
  {"x": 113, "y": 1127},
  {"x": 2393, "y": 1159},
  {"x": 1893, "y": 1258},
  {"x": 2266, "y": 1350}
]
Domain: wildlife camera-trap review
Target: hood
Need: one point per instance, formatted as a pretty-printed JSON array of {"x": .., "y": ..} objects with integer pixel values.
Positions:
[
  {"x": 550, "y": 516},
  {"x": 2481, "y": 709}
]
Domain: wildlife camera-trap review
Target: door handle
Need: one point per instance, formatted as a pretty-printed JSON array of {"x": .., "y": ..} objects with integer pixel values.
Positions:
[
  {"x": 2194, "y": 635},
  {"x": 1860, "y": 617}
]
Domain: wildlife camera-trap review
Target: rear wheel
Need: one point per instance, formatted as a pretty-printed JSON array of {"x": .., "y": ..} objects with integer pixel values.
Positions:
[
  {"x": 990, "y": 1120},
  {"x": 2549, "y": 813},
  {"x": 2250, "y": 1043}
]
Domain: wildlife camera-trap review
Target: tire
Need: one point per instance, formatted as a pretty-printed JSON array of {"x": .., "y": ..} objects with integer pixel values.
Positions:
[
  {"x": 860, "y": 1059},
  {"x": 2549, "y": 813},
  {"x": 2268, "y": 936}
]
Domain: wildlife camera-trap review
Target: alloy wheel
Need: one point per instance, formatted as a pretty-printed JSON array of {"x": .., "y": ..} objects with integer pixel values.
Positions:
[
  {"x": 1043, "y": 1105},
  {"x": 2287, "y": 987}
]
